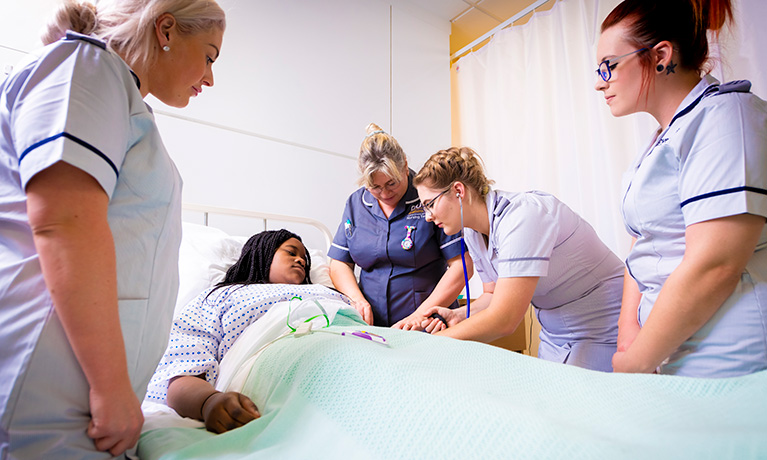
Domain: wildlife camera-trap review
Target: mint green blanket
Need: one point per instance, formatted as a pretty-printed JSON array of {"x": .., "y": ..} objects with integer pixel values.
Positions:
[{"x": 327, "y": 396}]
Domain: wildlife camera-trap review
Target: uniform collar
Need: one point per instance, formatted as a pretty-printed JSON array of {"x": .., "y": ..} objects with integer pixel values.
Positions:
[
  {"x": 410, "y": 198},
  {"x": 491, "y": 201},
  {"x": 71, "y": 36},
  {"x": 694, "y": 96}
]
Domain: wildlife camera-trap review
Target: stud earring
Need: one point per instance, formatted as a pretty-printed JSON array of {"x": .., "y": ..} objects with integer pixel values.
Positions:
[
  {"x": 660, "y": 68},
  {"x": 166, "y": 48}
]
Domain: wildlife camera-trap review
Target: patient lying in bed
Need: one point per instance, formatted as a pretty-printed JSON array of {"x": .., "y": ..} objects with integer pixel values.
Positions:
[{"x": 273, "y": 267}]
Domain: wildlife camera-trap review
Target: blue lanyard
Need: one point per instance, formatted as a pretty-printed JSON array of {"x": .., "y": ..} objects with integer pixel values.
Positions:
[{"x": 463, "y": 260}]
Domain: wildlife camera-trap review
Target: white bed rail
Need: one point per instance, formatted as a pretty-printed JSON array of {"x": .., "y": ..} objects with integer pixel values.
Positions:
[{"x": 206, "y": 211}]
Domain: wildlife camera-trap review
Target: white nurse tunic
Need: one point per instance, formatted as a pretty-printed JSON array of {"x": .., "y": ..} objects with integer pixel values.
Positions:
[
  {"x": 578, "y": 296},
  {"x": 710, "y": 163},
  {"x": 76, "y": 101}
]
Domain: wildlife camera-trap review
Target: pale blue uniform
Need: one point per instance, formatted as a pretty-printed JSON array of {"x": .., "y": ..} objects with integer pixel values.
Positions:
[
  {"x": 578, "y": 296},
  {"x": 710, "y": 163},
  {"x": 76, "y": 101},
  {"x": 394, "y": 280}
]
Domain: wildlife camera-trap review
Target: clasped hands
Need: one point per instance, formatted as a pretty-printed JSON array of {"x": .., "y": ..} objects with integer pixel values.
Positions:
[{"x": 428, "y": 321}]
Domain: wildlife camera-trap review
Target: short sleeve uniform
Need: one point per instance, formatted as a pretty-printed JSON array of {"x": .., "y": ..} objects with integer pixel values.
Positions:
[
  {"x": 710, "y": 163},
  {"x": 578, "y": 296},
  {"x": 395, "y": 277},
  {"x": 77, "y": 102}
]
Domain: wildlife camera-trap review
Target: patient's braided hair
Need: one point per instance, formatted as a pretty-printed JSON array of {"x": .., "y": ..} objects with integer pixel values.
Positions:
[{"x": 256, "y": 259}]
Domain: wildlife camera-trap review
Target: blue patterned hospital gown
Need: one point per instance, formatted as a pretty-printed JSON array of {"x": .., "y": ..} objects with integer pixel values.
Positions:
[{"x": 206, "y": 329}]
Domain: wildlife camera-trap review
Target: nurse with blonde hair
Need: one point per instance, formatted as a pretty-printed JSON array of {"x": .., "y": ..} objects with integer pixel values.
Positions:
[
  {"x": 407, "y": 264},
  {"x": 527, "y": 248},
  {"x": 90, "y": 220}
]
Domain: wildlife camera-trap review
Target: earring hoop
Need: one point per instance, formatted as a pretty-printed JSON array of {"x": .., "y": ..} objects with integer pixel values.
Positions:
[{"x": 166, "y": 48}]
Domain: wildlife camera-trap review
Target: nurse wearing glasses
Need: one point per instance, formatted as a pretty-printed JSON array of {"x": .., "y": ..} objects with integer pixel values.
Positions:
[
  {"x": 527, "y": 248},
  {"x": 406, "y": 263},
  {"x": 695, "y": 202}
]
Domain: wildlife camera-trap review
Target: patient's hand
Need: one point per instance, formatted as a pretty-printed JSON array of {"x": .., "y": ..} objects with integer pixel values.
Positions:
[
  {"x": 434, "y": 325},
  {"x": 227, "y": 411}
]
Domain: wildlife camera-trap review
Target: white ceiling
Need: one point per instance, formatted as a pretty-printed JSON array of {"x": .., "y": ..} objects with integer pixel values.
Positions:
[{"x": 470, "y": 19}]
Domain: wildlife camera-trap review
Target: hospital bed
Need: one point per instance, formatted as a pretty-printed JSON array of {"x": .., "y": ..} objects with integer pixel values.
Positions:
[{"x": 324, "y": 395}]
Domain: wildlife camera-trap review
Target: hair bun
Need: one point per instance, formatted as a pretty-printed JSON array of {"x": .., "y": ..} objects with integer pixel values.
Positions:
[{"x": 70, "y": 15}]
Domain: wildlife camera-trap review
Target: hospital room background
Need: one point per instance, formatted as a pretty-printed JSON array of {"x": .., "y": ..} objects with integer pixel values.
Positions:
[{"x": 298, "y": 81}]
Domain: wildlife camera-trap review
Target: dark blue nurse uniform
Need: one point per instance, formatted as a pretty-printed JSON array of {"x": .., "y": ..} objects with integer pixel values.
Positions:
[{"x": 394, "y": 280}]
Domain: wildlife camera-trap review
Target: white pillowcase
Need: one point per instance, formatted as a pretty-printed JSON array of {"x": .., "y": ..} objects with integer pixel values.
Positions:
[{"x": 206, "y": 253}]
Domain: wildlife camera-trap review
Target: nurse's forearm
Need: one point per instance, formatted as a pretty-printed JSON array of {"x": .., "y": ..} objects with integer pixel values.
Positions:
[
  {"x": 508, "y": 305},
  {"x": 450, "y": 285},
  {"x": 716, "y": 254},
  {"x": 628, "y": 325},
  {"x": 344, "y": 280},
  {"x": 68, "y": 215}
]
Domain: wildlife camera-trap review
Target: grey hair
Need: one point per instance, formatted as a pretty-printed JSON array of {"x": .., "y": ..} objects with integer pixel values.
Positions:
[
  {"x": 128, "y": 25},
  {"x": 380, "y": 151}
]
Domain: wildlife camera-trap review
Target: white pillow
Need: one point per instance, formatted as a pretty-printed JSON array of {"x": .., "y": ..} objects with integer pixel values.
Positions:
[{"x": 206, "y": 253}]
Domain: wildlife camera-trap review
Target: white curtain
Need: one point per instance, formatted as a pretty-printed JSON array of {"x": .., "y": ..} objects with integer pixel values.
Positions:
[{"x": 526, "y": 103}]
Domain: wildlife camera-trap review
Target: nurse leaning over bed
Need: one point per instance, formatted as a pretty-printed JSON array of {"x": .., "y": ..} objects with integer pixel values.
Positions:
[
  {"x": 407, "y": 263},
  {"x": 695, "y": 201},
  {"x": 90, "y": 220},
  {"x": 527, "y": 247}
]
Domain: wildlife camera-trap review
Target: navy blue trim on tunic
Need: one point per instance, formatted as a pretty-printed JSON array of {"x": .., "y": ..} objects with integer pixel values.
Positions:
[
  {"x": 73, "y": 139},
  {"x": 724, "y": 192}
]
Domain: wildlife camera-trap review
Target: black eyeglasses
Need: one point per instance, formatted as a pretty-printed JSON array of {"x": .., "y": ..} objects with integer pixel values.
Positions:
[
  {"x": 608, "y": 65},
  {"x": 429, "y": 205}
]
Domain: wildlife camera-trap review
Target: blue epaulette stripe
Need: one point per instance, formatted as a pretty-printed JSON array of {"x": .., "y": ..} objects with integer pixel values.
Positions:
[
  {"x": 524, "y": 258},
  {"x": 73, "y": 139},
  {"x": 724, "y": 192}
]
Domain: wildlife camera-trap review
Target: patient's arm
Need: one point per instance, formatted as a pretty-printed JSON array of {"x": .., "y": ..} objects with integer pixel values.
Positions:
[
  {"x": 194, "y": 397},
  {"x": 342, "y": 275}
]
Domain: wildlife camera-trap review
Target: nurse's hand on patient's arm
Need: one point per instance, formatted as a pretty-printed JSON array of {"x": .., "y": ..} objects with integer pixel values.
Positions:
[
  {"x": 434, "y": 325},
  {"x": 410, "y": 323}
]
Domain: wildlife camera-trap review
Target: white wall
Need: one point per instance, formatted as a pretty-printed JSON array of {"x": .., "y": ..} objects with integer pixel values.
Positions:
[{"x": 295, "y": 86}]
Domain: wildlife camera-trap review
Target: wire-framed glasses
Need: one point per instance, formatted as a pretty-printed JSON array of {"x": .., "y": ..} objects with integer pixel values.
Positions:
[
  {"x": 429, "y": 205},
  {"x": 389, "y": 186},
  {"x": 608, "y": 65}
]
